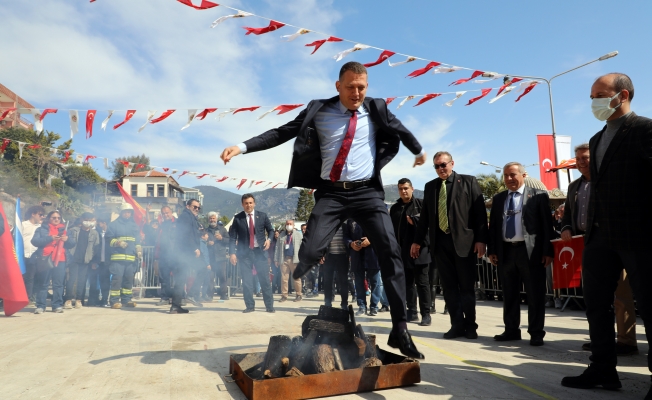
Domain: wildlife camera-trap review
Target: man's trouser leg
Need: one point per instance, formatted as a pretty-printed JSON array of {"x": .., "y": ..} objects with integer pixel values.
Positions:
[
  {"x": 410, "y": 290},
  {"x": 28, "y": 277},
  {"x": 117, "y": 269},
  {"x": 126, "y": 291},
  {"x": 534, "y": 279},
  {"x": 105, "y": 282},
  {"x": 288, "y": 267},
  {"x": 422, "y": 283},
  {"x": 221, "y": 276},
  {"x": 510, "y": 276},
  {"x": 71, "y": 292},
  {"x": 58, "y": 274},
  {"x": 245, "y": 263},
  {"x": 360, "y": 292},
  {"x": 178, "y": 283},
  {"x": 82, "y": 277},
  {"x": 375, "y": 287},
  {"x": 94, "y": 287},
  {"x": 41, "y": 284},
  {"x": 262, "y": 271},
  {"x": 164, "y": 276},
  {"x": 625, "y": 312}
]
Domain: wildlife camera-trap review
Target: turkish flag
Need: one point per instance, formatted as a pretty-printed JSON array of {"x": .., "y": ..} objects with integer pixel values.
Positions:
[
  {"x": 5, "y": 143},
  {"x": 254, "y": 108},
  {"x": 527, "y": 90},
  {"x": 242, "y": 182},
  {"x": 130, "y": 113},
  {"x": 547, "y": 160},
  {"x": 221, "y": 179},
  {"x": 283, "y": 108},
  {"x": 90, "y": 118},
  {"x": 273, "y": 25},
  {"x": 484, "y": 93},
  {"x": 48, "y": 111},
  {"x": 204, "y": 113},
  {"x": 567, "y": 266},
  {"x": 12, "y": 286},
  {"x": 162, "y": 117},
  {"x": 427, "y": 97},
  {"x": 139, "y": 211},
  {"x": 319, "y": 43},
  {"x": 383, "y": 56},
  {"x": 423, "y": 70},
  {"x": 6, "y": 112},
  {"x": 205, "y": 5}
]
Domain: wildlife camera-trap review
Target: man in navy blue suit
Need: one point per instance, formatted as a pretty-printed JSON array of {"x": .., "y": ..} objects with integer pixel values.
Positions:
[{"x": 247, "y": 246}]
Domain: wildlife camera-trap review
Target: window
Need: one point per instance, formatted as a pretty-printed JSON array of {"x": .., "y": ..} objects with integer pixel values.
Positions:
[
  {"x": 134, "y": 190},
  {"x": 161, "y": 190},
  {"x": 150, "y": 190}
]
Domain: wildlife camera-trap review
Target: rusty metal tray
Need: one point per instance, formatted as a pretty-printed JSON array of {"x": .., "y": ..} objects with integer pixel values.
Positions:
[{"x": 396, "y": 371}]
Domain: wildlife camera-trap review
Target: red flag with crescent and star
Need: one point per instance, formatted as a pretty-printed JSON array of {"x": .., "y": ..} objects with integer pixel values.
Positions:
[
  {"x": 383, "y": 56},
  {"x": 12, "y": 286},
  {"x": 547, "y": 160},
  {"x": 130, "y": 114},
  {"x": 567, "y": 266},
  {"x": 273, "y": 25},
  {"x": 90, "y": 118}
]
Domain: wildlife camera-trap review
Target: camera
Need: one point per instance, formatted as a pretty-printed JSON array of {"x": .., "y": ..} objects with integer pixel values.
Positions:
[{"x": 46, "y": 203}]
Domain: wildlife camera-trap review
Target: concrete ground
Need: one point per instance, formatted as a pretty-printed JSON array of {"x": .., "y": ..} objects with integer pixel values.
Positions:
[{"x": 145, "y": 353}]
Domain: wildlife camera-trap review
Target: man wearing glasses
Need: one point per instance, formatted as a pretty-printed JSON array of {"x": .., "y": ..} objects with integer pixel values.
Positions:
[
  {"x": 33, "y": 219},
  {"x": 455, "y": 215},
  {"x": 188, "y": 241},
  {"x": 520, "y": 229}
]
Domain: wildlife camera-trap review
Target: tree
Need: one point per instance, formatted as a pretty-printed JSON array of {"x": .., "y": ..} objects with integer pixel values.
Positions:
[
  {"x": 490, "y": 185},
  {"x": 305, "y": 204},
  {"x": 119, "y": 169},
  {"x": 225, "y": 220},
  {"x": 82, "y": 178}
]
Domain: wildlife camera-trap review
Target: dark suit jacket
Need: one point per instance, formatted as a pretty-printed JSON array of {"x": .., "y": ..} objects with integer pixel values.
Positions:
[
  {"x": 239, "y": 232},
  {"x": 569, "y": 221},
  {"x": 363, "y": 259},
  {"x": 620, "y": 190},
  {"x": 536, "y": 221},
  {"x": 467, "y": 215},
  {"x": 306, "y": 158},
  {"x": 187, "y": 233},
  {"x": 405, "y": 232}
]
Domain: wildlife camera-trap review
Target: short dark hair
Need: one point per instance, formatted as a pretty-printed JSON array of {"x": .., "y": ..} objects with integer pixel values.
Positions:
[
  {"x": 442, "y": 153},
  {"x": 247, "y": 196},
  {"x": 302, "y": 225},
  {"x": 353, "y": 66},
  {"x": 168, "y": 207},
  {"x": 53, "y": 212},
  {"x": 34, "y": 210},
  {"x": 87, "y": 215},
  {"x": 190, "y": 201},
  {"x": 583, "y": 146},
  {"x": 621, "y": 82},
  {"x": 403, "y": 181}
]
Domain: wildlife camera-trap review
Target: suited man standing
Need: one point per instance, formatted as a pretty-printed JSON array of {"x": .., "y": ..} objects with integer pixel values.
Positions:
[
  {"x": 454, "y": 212},
  {"x": 618, "y": 224},
  {"x": 248, "y": 231},
  {"x": 520, "y": 230},
  {"x": 341, "y": 145}
]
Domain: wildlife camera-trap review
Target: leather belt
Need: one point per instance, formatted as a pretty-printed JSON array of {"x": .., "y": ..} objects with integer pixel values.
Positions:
[
  {"x": 515, "y": 244},
  {"x": 349, "y": 185}
]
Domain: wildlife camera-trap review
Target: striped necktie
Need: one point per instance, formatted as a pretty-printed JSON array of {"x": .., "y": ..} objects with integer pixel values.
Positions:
[{"x": 443, "y": 209}]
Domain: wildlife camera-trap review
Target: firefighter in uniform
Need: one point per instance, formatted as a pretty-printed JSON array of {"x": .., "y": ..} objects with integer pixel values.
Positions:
[{"x": 124, "y": 238}]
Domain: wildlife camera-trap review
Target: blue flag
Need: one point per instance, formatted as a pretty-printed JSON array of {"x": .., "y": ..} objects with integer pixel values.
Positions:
[{"x": 18, "y": 239}]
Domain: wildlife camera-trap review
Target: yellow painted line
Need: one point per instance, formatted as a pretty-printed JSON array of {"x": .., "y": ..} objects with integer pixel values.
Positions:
[{"x": 481, "y": 368}]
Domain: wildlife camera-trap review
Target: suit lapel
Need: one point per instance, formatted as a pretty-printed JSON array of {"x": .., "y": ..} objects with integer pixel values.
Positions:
[
  {"x": 615, "y": 143},
  {"x": 457, "y": 182},
  {"x": 312, "y": 111}
]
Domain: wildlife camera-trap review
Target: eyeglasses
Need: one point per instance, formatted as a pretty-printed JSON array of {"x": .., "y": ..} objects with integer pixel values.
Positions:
[
  {"x": 196, "y": 208},
  {"x": 40, "y": 215},
  {"x": 442, "y": 165},
  {"x": 55, "y": 217}
]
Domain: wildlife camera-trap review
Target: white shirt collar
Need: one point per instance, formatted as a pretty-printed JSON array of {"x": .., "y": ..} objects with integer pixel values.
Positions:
[
  {"x": 345, "y": 110},
  {"x": 520, "y": 190}
]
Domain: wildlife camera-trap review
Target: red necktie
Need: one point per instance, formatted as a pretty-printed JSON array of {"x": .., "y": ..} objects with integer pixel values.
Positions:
[
  {"x": 338, "y": 165},
  {"x": 251, "y": 232}
]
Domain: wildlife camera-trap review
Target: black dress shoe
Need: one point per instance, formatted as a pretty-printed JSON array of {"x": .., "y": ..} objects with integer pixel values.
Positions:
[
  {"x": 471, "y": 334},
  {"x": 248, "y": 310},
  {"x": 536, "y": 342},
  {"x": 383, "y": 309},
  {"x": 593, "y": 376},
  {"x": 454, "y": 333},
  {"x": 586, "y": 346},
  {"x": 506, "y": 337},
  {"x": 413, "y": 318},
  {"x": 178, "y": 310},
  {"x": 403, "y": 342},
  {"x": 301, "y": 270},
  {"x": 426, "y": 320},
  {"x": 373, "y": 312},
  {"x": 270, "y": 310},
  {"x": 623, "y": 349}
]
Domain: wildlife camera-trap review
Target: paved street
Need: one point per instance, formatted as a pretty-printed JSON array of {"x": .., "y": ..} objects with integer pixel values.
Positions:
[{"x": 145, "y": 353}]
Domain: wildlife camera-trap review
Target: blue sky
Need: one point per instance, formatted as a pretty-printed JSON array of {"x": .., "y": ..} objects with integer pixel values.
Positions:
[{"x": 160, "y": 54}]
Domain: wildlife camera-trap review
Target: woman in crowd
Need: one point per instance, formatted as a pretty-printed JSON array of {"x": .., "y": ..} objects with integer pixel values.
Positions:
[{"x": 46, "y": 239}]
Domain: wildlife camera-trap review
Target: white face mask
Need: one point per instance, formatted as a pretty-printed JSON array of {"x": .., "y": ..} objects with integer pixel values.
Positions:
[
  {"x": 289, "y": 228},
  {"x": 601, "y": 107},
  {"x": 88, "y": 224}
]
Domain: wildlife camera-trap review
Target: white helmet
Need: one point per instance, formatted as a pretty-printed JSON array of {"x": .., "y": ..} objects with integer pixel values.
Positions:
[{"x": 126, "y": 207}]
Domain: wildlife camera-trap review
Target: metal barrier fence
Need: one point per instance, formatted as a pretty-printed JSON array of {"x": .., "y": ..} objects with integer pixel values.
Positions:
[
  {"x": 489, "y": 283},
  {"x": 147, "y": 283}
]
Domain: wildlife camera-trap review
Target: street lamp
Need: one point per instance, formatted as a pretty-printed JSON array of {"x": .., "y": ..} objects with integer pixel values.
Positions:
[
  {"x": 549, "y": 82},
  {"x": 498, "y": 169}
]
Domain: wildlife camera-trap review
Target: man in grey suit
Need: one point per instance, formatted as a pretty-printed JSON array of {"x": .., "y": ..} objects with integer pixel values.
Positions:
[{"x": 520, "y": 229}]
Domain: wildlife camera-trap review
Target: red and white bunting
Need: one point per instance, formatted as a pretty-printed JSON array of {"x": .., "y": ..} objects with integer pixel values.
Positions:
[
  {"x": 506, "y": 90},
  {"x": 282, "y": 109},
  {"x": 528, "y": 89},
  {"x": 240, "y": 14},
  {"x": 457, "y": 96},
  {"x": 38, "y": 122},
  {"x": 88, "y": 158},
  {"x": 204, "y": 113},
  {"x": 423, "y": 70},
  {"x": 405, "y": 100},
  {"x": 90, "y": 117},
  {"x": 191, "y": 116},
  {"x": 339, "y": 56},
  {"x": 484, "y": 93},
  {"x": 162, "y": 117},
  {"x": 106, "y": 120},
  {"x": 319, "y": 43},
  {"x": 273, "y": 25},
  {"x": 427, "y": 98},
  {"x": 507, "y": 83},
  {"x": 389, "y": 100},
  {"x": 130, "y": 114},
  {"x": 446, "y": 70},
  {"x": 150, "y": 115},
  {"x": 6, "y": 112},
  {"x": 409, "y": 59},
  {"x": 473, "y": 76},
  {"x": 21, "y": 146},
  {"x": 289, "y": 38},
  {"x": 383, "y": 56},
  {"x": 48, "y": 111},
  {"x": 74, "y": 122},
  {"x": 5, "y": 143},
  {"x": 254, "y": 108},
  {"x": 205, "y": 4},
  {"x": 242, "y": 182}
]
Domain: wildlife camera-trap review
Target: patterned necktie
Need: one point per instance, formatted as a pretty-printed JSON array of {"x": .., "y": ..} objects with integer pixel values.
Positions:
[
  {"x": 338, "y": 165},
  {"x": 510, "y": 227},
  {"x": 251, "y": 232},
  {"x": 443, "y": 209}
]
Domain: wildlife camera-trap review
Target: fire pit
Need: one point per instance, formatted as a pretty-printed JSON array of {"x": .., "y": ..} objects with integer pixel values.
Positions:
[{"x": 333, "y": 356}]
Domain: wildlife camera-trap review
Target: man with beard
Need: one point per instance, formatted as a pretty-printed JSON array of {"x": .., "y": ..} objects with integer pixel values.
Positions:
[{"x": 218, "y": 240}]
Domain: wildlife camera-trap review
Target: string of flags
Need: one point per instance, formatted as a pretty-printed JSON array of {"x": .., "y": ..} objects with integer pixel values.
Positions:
[
  {"x": 131, "y": 166},
  {"x": 524, "y": 86}
]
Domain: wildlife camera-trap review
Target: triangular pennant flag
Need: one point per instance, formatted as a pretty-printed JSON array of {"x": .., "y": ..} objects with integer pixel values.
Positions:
[
  {"x": 405, "y": 100},
  {"x": 201, "y": 176},
  {"x": 445, "y": 70},
  {"x": 38, "y": 122},
  {"x": 21, "y": 146},
  {"x": 106, "y": 120},
  {"x": 527, "y": 90},
  {"x": 319, "y": 43},
  {"x": 150, "y": 115},
  {"x": 165, "y": 169},
  {"x": 259, "y": 182},
  {"x": 88, "y": 158},
  {"x": 90, "y": 117},
  {"x": 204, "y": 113},
  {"x": 149, "y": 172},
  {"x": 283, "y": 108},
  {"x": 460, "y": 81},
  {"x": 5, "y": 143},
  {"x": 205, "y": 4},
  {"x": 240, "y": 14},
  {"x": 407, "y": 60},
  {"x": 484, "y": 93},
  {"x": 254, "y": 108},
  {"x": 106, "y": 163},
  {"x": 383, "y": 56},
  {"x": 389, "y": 100},
  {"x": 74, "y": 122},
  {"x": 423, "y": 70},
  {"x": 506, "y": 90},
  {"x": 130, "y": 114},
  {"x": 222, "y": 179},
  {"x": 273, "y": 25},
  {"x": 242, "y": 182},
  {"x": 6, "y": 112},
  {"x": 191, "y": 116},
  {"x": 34, "y": 146},
  {"x": 182, "y": 174},
  {"x": 66, "y": 156},
  {"x": 457, "y": 96},
  {"x": 273, "y": 187},
  {"x": 346, "y": 52},
  {"x": 162, "y": 117},
  {"x": 251, "y": 183},
  {"x": 427, "y": 97},
  {"x": 79, "y": 158},
  {"x": 507, "y": 82},
  {"x": 54, "y": 151},
  {"x": 269, "y": 184},
  {"x": 48, "y": 111},
  {"x": 225, "y": 113},
  {"x": 289, "y": 38}
]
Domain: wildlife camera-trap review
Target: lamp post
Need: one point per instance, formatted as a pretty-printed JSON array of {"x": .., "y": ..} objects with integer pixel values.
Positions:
[
  {"x": 498, "y": 169},
  {"x": 549, "y": 82}
]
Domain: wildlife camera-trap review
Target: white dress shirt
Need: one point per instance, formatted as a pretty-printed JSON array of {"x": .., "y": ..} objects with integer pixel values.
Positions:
[
  {"x": 253, "y": 216},
  {"x": 28, "y": 233},
  {"x": 518, "y": 214}
]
